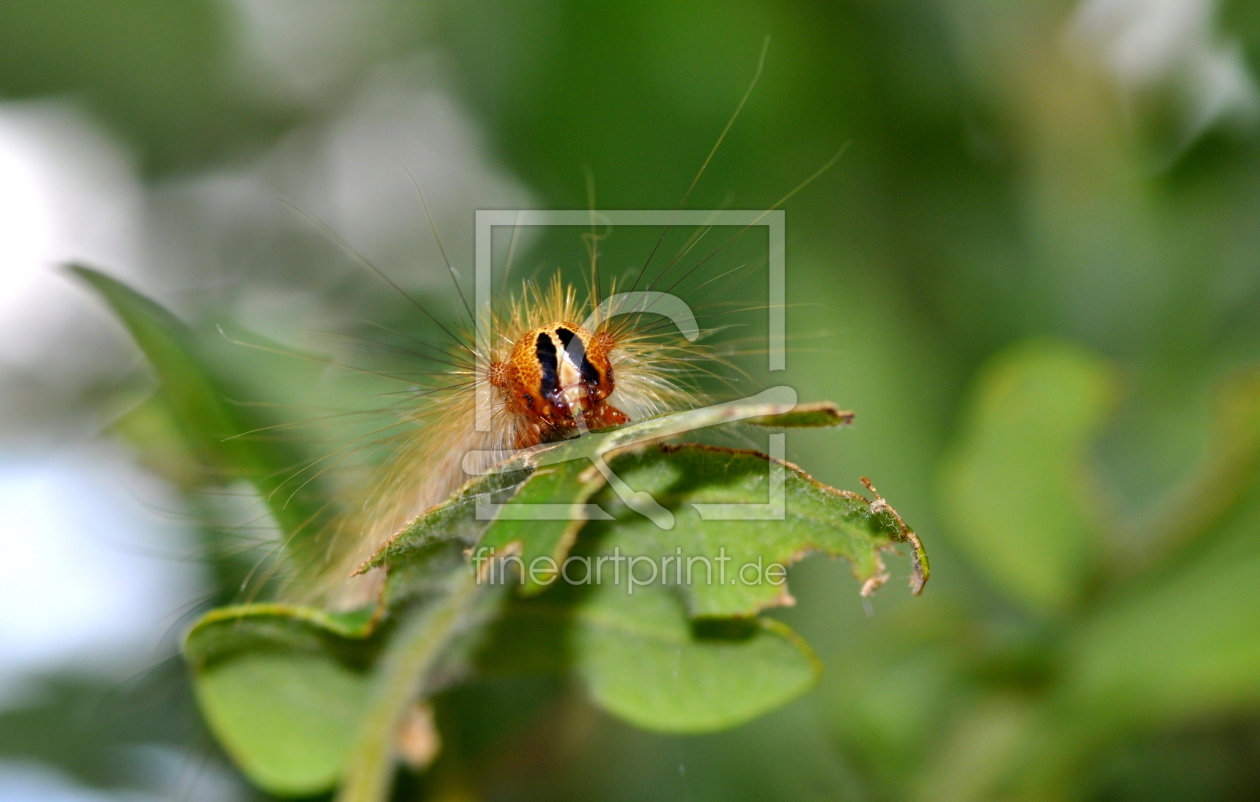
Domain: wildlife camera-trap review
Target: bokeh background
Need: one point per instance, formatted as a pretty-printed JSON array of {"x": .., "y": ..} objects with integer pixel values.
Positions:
[{"x": 1035, "y": 275}]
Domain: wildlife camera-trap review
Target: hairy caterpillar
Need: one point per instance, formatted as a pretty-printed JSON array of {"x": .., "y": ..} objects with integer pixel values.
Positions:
[{"x": 557, "y": 364}]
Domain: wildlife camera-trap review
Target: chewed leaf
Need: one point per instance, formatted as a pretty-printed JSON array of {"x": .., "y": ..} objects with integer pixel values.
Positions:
[
  {"x": 705, "y": 491},
  {"x": 283, "y": 688},
  {"x": 549, "y": 507},
  {"x": 725, "y": 566}
]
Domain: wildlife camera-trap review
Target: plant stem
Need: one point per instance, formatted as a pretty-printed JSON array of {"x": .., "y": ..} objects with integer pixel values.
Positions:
[{"x": 420, "y": 641}]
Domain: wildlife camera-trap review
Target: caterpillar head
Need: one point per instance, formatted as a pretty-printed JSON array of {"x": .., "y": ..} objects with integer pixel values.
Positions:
[{"x": 549, "y": 380}]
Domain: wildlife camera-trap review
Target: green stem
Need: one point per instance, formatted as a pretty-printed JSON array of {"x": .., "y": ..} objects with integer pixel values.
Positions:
[{"x": 413, "y": 651}]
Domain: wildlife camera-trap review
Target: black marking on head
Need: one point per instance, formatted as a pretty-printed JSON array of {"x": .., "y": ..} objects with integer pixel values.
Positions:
[
  {"x": 589, "y": 374},
  {"x": 545, "y": 352}
]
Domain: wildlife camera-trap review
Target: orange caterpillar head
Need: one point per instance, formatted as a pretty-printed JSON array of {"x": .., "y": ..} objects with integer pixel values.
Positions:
[
  {"x": 553, "y": 376},
  {"x": 549, "y": 381}
]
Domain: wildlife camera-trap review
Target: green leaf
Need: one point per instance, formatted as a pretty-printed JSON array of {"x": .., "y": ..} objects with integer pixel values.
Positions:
[
  {"x": 283, "y": 689},
  {"x": 1228, "y": 468},
  {"x": 1014, "y": 491},
  {"x": 1201, "y": 620},
  {"x": 730, "y": 676},
  {"x": 683, "y": 680},
  {"x": 642, "y": 659},
  {"x": 193, "y": 388},
  {"x": 815, "y": 415},
  {"x": 573, "y": 483},
  {"x": 1170, "y": 650},
  {"x": 632, "y": 641},
  {"x": 619, "y": 634},
  {"x": 665, "y": 655},
  {"x": 172, "y": 349},
  {"x": 815, "y": 519},
  {"x": 564, "y": 487},
  {"x": 301, "y": 698},
  {"x": 455, "y": 519}
]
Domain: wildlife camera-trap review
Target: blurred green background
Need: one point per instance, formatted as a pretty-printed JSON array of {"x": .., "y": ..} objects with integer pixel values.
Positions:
[{"x": 1035, "y": 275}]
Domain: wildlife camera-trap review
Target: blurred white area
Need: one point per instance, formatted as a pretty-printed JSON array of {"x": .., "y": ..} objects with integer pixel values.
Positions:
[
  {"x": 96, "y": 569},
  {"x": 353, "y": 167},
  {"x": 250, "y": 232},
  {"x": 1172, "y": 44},
  {"x": 178, "y": 778},
  {"x": 35, "y": 782},
  {"x": 90, "y": 580},
  {"x": 67, "y": 192},
  {"x": 356, "y": 173}
]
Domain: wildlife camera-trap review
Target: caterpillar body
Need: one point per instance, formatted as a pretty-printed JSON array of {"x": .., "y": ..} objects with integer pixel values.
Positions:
[{"x": 556, "y": 365}]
